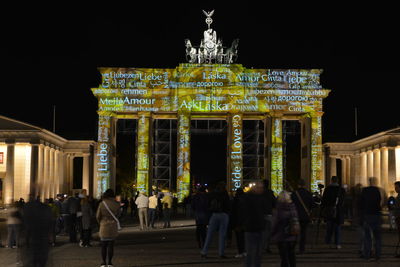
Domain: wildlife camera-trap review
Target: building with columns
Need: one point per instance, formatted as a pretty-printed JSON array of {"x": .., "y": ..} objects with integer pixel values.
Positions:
[
  {"x": 36, "y": 161},
  {"x": 374, "y": 156}
]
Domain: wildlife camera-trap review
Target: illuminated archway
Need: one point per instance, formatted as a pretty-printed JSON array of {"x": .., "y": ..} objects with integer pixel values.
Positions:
[{"x": 227, "y": 91}]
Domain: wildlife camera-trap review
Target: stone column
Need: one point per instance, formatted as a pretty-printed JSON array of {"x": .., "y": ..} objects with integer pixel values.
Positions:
[
  {"x": 9, "y": 179},
  {"x": 183, "y": 156},
  {"x": 235, "y": 150},
  {"x": 391, "y": 166},
  {"x": 46, "y": 170},
  {"x": 143, "y": 153},
  {"x": 34, "y": 170},
  {"x": 276, "y": 155},
  {"x": 377, "y": 166},
  {"x": 356, "y": 168},
  {"x": 66, "y": 173},
  {"x": 353, "y": 168},
  {"x": 306, "y": 149},
  {"x": 104, "y": 167},
  {"x": 397, "y": 163},
  {"x": 60, "y": 173},
  {"x": 370, "y": 165},
  {"x": 85, "y": 173},
  {"x": 385, "y": 169},
  {"x": 51, "y": 174},
  {"x": 344, "y": 170},
  {"x": 56, "y": 172},
  {"x": 71, "y": 173},
  {"x": 363, "y": 169},
  {"x": 316, "y": 152},
  {"x": 333, "y": 167},
  {"x": 40, "y": 184}
]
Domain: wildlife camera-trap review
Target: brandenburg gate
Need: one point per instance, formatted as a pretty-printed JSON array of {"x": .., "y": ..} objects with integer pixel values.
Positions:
[{"x": 210, "y": 86}]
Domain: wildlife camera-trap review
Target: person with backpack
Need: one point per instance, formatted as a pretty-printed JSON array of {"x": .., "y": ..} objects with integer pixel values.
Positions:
[
  {"x": 219, "y": 207},
  {"x": 332, "y": 208},
  {"x": 303, "y": 200},
  {"x": 285, "y": 228}
]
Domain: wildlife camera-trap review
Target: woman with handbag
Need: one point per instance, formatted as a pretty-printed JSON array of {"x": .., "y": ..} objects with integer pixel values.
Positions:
[{"x": 106, "y": 215}]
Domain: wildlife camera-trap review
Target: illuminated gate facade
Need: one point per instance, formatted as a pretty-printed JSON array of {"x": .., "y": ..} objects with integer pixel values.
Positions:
[{"x": 210, "y": 91}]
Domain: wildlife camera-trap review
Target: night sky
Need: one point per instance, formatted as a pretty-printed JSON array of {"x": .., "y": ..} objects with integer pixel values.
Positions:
[{"x": 52, "y": 54}]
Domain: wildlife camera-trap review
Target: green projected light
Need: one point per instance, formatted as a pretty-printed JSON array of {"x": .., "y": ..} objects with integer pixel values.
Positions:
[{"x": 207, "y": 90}]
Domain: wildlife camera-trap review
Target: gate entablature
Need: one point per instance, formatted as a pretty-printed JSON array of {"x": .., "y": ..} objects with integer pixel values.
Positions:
[{"x": 207, "y": 90}]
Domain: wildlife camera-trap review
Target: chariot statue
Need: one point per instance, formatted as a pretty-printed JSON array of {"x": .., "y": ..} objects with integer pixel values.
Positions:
[{"x": 211, "y": 49}]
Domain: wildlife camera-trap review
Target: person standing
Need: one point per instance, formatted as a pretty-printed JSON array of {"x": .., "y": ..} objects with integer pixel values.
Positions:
[
  {"x": 106, "y": 215},
  {"x": 14, "y": 220},
  {"x": 87, "y": 214},
  {"x": 236, "y": 219},
  {"x": 166, "y": 203},
  {"x": 396, "y": 213},
  {"x": 303, "y": 200},
  {"x": 37, "y": 221},
  {"x": 332, "y": 206},
  {"x": 219, "y": 207},
  {"x": 55, "y": 215},
  {"x": 357, "y": 216},
  {"x": 153, "y": 202},
  {"x": 65, "y": 216},
  {"x": 142, "y": 203},
  {"x": 201, "y": 215},
  {"x": 271, "y": 203},
  {"x": 74, "y": 208},
  {"x": 281, "y": 232},
  {"x": 371, "y": 201},
  {"x": 253, "y": 215}
]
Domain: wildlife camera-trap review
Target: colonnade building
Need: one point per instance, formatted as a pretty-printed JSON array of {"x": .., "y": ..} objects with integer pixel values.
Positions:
[
  {"x": 374, "y": 156},
  {"x": 38, "y": 162}
]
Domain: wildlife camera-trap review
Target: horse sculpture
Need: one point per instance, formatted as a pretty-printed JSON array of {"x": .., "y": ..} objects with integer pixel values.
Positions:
[
  {"x": 191, "y": 52},
  {"x": 232, "y": 52}
]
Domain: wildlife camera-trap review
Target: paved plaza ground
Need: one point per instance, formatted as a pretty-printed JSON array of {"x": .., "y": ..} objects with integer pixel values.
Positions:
[{"x": 176, "y": 246}]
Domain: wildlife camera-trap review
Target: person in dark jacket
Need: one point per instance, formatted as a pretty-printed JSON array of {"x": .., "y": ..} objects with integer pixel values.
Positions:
[
  {"x": 201, "y": 215},
  {"x": 253, "y": 213},
  {"x": 37, "y": 220},
  {"x": 237, "y": 222},
  {"x": 332, "y": 206},
  {"x": 87, "y": 214},
  {"x": 271, "y": 203},
  {"x": 285, "y": 211},
  {"x": 74, "y": 207},
  {"x": 219, "y": 207},
  {"x": 371, "y": 202},
  {"x": 303, "y": 200}
]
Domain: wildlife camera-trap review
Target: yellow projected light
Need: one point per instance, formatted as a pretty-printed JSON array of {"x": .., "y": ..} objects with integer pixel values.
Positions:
[{"x": 204, "y": 91}]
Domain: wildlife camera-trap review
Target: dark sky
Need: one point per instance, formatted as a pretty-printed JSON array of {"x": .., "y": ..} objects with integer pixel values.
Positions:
[{"x": 52, "y": 55}]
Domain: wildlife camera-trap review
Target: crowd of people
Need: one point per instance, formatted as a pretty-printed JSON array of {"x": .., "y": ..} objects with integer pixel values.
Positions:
[{"x": 257, "y": 218}]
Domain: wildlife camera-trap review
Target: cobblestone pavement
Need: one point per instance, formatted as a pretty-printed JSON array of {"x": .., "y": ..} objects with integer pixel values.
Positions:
[{"x": 176, "y": 246}]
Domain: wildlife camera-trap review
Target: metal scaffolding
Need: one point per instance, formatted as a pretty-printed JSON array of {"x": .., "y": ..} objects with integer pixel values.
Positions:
[{"x": 253, "y": 150}]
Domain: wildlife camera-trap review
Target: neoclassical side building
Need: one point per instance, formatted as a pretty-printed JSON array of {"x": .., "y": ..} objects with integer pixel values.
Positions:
[
  {"x": 36, "y": 161},
  {"x": 374, "y": 156}
]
